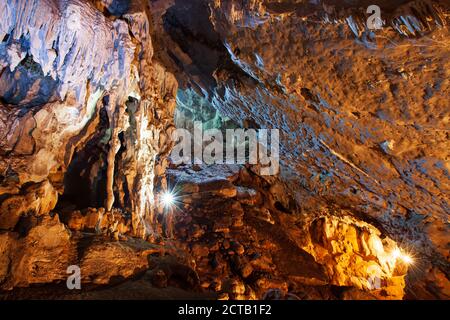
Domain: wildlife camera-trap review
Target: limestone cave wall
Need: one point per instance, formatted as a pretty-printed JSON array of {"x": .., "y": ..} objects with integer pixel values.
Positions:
[{"x": 88, "y": 94}]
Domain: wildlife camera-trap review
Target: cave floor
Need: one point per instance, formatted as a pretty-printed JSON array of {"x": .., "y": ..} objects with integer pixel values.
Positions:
[
  {"x": 226, "y": 238},
  {"x": 138, "y": 288}
]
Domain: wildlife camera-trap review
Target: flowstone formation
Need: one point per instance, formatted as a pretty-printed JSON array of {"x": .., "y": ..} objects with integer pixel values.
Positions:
[
  {"x": 85, "y": 119},
  {"x": 92, "y": 90}
]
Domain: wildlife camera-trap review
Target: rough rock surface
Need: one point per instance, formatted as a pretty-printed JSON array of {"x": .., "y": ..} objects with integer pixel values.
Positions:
[
  {"x": 84, "y": 110},
  {"x": 85, "y": 116},
  {"x": 363, "y": 114},
  {"x": 245, "y": 244},
  {"x": 41, "y": 257},
  {"x": 88, "y": 90}
]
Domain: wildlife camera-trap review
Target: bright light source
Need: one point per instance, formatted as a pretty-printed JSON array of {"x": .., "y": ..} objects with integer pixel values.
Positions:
[
  {"x": 407, "y": 259},
  {"x": 398, "y": 254},
  {"x": 168, "y": 199}
]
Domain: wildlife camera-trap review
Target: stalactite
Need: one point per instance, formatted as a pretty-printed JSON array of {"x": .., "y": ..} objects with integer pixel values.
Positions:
[{"x": 116, "y": 114}]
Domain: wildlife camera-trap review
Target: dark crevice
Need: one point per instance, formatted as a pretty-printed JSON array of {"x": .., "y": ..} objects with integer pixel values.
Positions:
[{"x": 85, "y": 179}]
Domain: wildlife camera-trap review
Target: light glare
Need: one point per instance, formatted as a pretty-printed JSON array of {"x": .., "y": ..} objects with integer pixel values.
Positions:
[
  {"x": 168, "y": 199},
  {"x": 398, "y": 254},
  {"x": 407, "y": 259}
]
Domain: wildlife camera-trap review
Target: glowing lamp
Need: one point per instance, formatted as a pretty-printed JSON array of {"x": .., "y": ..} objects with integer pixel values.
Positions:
[
  {"x": 407, "y": 259},
  {"x": 398, "y": 254},
  {"x": 168, "y": 199}
]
